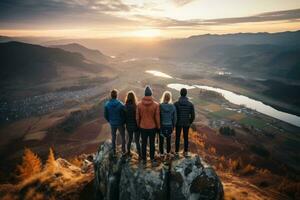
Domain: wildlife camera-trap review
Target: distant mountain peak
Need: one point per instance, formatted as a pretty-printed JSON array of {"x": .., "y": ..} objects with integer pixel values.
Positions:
[{"x": 90, "y": 54}]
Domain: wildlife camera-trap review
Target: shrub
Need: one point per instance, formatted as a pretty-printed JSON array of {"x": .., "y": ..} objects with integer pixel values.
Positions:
[
  {"x": 212, "y": 150},
  {"x": 226, "y": 130},
  {"x": 249, "y": 169},
  {"x": 260, "y": 150},
  {"x": 234, "y": 165},
  {"x": 290, "y": 188},
  {"x": 31, "y": 164},
  {"x": 264, "y": 171}
]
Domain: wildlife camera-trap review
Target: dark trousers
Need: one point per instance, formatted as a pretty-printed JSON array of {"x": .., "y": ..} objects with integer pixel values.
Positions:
[
  {"x": 136, "y": 134},
  {"x": 165, "y": 133},
  {"x": 185, "y": 137},
  {"x": 121, "y": 130},
  {"x": 148, "y": 133}
]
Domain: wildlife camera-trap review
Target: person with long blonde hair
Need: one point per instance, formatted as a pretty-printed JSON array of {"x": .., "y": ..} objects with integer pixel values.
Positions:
[
  {"x": 168, "y": 118},
  {"x": 131, "y": 124}
]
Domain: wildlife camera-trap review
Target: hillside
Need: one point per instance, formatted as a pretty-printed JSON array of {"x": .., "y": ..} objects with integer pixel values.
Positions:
[
  {"x": 90, "y": 54},
  {"x": 265, "y": 60},
  {"x": 28, "y": 63}
]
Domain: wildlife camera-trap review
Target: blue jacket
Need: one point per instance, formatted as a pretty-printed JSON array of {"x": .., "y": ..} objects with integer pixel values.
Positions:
[
  {"x": 168, "y": 116},
  {"x": 114, "y": 112}
]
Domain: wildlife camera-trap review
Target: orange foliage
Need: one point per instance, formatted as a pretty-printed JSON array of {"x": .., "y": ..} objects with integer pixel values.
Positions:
[
  {"x": 220, "y": 166},
  {"x": 264, "y": 171},
  {"x": 249, "y": 169},
  {"x": 76, "y": 161},
  {"x": 196, "y": 138},
  {"x": 233, "y": 164},
  {"x": 9, "y": 197},
  {"x": 222, "y": 158},
  {"x": 212, "y": 150},
  {"x": 31, "y": 164},
  {"x": 51, "y": 162}
]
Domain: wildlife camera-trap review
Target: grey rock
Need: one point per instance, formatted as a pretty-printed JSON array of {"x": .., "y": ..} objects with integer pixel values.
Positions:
[{"x": 127, "y": 179}]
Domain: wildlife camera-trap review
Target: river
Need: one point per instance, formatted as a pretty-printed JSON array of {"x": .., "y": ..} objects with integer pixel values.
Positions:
[{"x": 238, "y": 100}]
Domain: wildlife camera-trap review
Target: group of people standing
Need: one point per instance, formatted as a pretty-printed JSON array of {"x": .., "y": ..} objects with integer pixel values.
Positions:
[{"x": 145, "y": 119}]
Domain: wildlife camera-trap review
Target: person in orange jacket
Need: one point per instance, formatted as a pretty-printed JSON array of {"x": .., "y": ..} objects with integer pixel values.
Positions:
[{"x": 148, "y": 120}]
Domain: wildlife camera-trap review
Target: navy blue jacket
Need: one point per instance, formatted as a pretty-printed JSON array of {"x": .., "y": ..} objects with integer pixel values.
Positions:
[
  {"x": 130, "y": 111},
  {"x": 114, "y": 112},
  {"x": 185, "y": 112}
]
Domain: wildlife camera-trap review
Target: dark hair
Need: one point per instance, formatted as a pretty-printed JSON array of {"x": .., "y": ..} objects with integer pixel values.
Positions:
[
  {"x": 114, "y": 94},
  {"x": 131, "y": 98},
  {"x": 183, "y": 92}
]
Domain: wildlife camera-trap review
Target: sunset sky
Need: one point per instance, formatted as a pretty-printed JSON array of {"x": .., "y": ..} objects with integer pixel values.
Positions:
[{"x": 137, "y": 18}]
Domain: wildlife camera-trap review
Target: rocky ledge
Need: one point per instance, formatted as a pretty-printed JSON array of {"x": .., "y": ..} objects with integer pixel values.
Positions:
[{"x": 127, "y": 178}]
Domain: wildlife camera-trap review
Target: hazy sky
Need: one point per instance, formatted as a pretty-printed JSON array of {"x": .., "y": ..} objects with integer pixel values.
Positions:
[{"x": 169, "y": 18}]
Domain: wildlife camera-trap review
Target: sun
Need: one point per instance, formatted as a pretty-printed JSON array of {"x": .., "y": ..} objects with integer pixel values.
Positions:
[{"x": 149, "y": 33}]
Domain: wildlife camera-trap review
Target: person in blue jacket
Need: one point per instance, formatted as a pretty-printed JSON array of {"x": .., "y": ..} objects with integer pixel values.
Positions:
[
  {"x": 168, "y": 118},
  {"x": 114, "y": 113}
]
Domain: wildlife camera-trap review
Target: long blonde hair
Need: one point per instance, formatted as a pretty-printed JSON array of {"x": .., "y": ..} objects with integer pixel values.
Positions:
[
  {"x": 131, "y": 98},
  {"x": 166, "y": 97}
]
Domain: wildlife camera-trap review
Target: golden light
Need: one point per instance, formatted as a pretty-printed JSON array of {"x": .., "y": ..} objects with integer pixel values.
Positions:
[{"x": 147, "y": 33}]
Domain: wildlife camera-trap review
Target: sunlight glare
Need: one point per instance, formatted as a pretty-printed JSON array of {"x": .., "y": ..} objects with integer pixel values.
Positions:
[{"x": 147, "y": 33}]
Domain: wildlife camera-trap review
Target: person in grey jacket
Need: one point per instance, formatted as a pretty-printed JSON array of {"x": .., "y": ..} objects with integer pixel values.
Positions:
[
  {"x": 185, "y": 117},
  {"x": 168, "y": 119}
]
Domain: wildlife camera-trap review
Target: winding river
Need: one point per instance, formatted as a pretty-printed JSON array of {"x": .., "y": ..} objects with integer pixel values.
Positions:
[{"x": 238, "y": 100}]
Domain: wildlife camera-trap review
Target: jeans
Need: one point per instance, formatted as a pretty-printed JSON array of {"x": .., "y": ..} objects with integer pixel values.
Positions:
[
  {"x": 136, "y": 139},
  {"x": 165, "y": 133},
  {"x": 121, "y": 129},
  {"x": 185, "y": 137},
  {"x": 148, "y": 133}
]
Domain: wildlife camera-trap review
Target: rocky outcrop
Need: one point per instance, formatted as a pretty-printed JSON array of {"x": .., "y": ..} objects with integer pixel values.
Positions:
[{"x": 126, "y": 178}]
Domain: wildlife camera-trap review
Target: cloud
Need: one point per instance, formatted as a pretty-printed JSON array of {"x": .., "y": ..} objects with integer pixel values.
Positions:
[
  {"x": 35, "y": 13},
  {"x": 290, "y": 15},
  {"x": 263, "y": 17},
  {"x": 182, "y": 2}
]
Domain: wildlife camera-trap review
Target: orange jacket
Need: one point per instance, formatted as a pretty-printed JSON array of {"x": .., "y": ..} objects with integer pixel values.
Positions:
[{"x": 147, "y": 113}]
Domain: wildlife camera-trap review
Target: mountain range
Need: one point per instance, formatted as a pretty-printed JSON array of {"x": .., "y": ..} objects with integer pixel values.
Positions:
[{"x": 29, "y": 63}]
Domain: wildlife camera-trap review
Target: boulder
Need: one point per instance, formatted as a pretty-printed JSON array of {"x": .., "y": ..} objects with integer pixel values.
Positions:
[{"x": 126, "y": 178}]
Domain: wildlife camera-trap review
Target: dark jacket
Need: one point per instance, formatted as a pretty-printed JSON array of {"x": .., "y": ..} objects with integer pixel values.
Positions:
[
  {"x": 114, "y": 112},
  {"x": 185, "y": 112},
  {"x": 130, "y": 118},
  {"x": 168, "y": 116}
]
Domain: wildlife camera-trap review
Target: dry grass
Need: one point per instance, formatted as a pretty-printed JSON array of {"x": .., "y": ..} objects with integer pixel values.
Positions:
[
  {"x": 290, "y": 188},
  {"x": 236, "y": 117},
  {"x": 213, "y": 107},
  {"x": 248, "y": 170}
]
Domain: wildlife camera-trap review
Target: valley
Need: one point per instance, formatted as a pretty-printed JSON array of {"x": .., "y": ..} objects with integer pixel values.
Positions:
[{"x": 65, "y": 113}]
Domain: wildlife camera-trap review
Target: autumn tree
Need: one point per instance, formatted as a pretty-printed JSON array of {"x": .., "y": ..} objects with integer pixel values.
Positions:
[
  {"x": 51, "y": 163},
  {"x": 31, "y": 164}
]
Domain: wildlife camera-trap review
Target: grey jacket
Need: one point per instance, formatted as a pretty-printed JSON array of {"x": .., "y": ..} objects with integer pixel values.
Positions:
[{"x": 168, "y": 116}]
